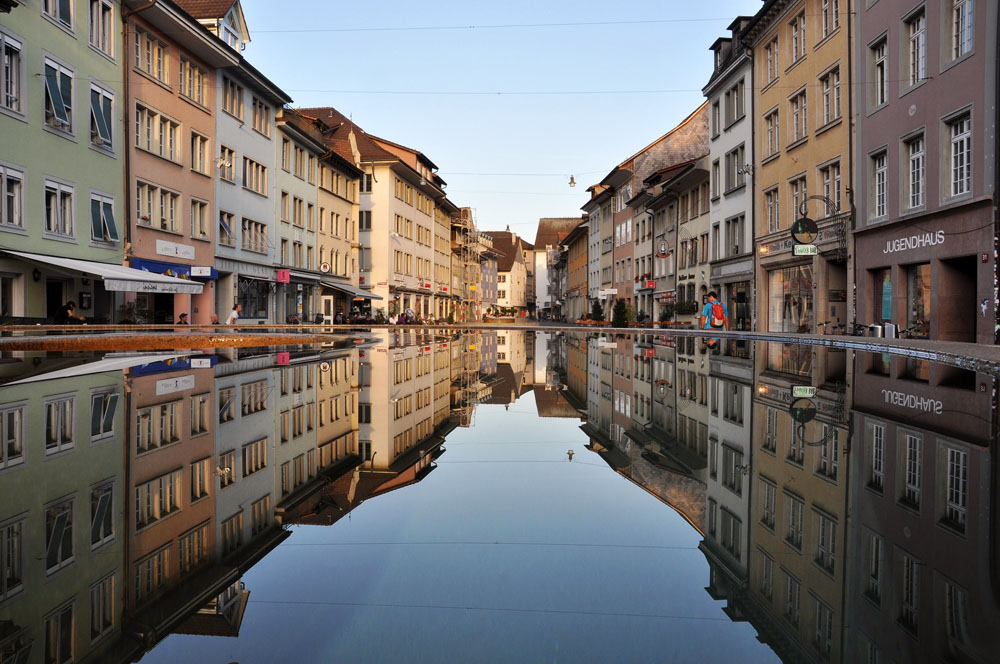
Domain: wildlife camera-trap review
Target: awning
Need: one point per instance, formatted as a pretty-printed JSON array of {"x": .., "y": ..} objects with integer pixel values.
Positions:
[
  {"x": 175, "y": 269},
  {"x": 351, "y": 290},
  {"x": 303, "y": 276},
  {"x": 116, "y": 277}
]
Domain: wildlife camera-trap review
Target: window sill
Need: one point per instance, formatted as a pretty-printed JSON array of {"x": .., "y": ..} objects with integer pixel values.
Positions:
[
  {"x": 17, "y": 115},
  {"x": 68, "y": 29},
  {"x": 49, "y": 235},
  {"x": 829, "y": 125},
  {"x": 959, "y": 60},
  {"x": 201, "y": 238},
  {"x": 102, "y": 244},
  {"x": 769, "y": 158},
  {"x": 952, "y": 527},
  {"x": 830, "y": 35},
  {"x": 147, "y": 75},
  {"x": 201, "y": 173},
  {"x": 875, "y": 109},
  {"x": 769, "y": 85},
  {"x": 143, "y": 150},
  {"x": 802, "y": 58},
  {"x": 915, "y": 86},
  {"x": 200, "y": 107},
  {"x": 733, "y": 123},
  {"x": 64, "y": 133},
  {"x": 735, "y": 189},
  {"x": 254, "y": 191},
  {"x": 796, "y": 143},
  {"x": 107, "y": 152},
  {"x": 107, "y": 56},
  {"x": 159, "y": 230},
  {"x": 9, "y": 228},
  {"x": 260, "y": 133}
]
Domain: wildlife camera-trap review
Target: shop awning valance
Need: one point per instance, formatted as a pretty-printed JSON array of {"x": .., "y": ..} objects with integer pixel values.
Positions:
[
  {"x": 116, "y": 277},
  {"x": 351, "y": 290}
]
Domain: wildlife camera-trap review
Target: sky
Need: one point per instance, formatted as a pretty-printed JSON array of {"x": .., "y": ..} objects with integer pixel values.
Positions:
[{"x": 508, "y": 99}]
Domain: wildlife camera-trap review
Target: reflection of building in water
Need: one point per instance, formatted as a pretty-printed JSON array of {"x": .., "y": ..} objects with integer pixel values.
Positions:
[
  {"x": 514, "y": 367},
  {"x": 61, "y": 505},
  {"x": 922, "y": 582},
  {"x": 729, "y": 422},
  {"x": 576, "y": 371},
  {"x": 796, "y": 547}
]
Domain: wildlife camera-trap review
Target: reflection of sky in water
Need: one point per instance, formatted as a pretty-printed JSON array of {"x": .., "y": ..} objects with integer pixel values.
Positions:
[{"x": 498, "y": 525}]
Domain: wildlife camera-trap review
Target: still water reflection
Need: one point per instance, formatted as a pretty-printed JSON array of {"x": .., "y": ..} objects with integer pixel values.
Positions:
[{"x": 602, "y": 499}]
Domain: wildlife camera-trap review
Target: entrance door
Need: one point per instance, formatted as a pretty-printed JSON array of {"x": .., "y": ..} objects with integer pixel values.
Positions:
[
  {"x": 55, "y": 297},
  {"x": 326, "y": 306}
]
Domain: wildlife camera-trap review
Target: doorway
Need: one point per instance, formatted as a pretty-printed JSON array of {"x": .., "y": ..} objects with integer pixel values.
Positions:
[
  {"x": 956, "y": 310},
  {"x": 55, "y": 297},
  {"x": 326, "y": 307}
]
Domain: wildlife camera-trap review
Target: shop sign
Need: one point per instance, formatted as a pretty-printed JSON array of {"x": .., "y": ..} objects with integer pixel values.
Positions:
[
  {"x": 283, "y": 358},
  {"x": 200, "y": 271},
  {"x": 802, "y": 410},
  {"x": 650, "y": 284},
  {"x": 171, "y": 385},
  {"x": 201, "y": 363},
  {"x": 918, "y": 241},
  {"x": 649, "y": 352},
  {"x": 805, "y": 391},
  {"x": 806, "y": 250},
  {"x": 164, "y": 248},
  {"x": 804, "y": 231},
  {"x": 284, "y": 276},
  {"x": 913, "y": 402}
]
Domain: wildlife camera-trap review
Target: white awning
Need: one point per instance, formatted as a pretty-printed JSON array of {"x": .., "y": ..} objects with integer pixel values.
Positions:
[
  {"x": 303, "y": 276},
  {"x": 117, "y": 277},
  {"x": 108, "y": 363},
  {"x": 351, "y": 290}
]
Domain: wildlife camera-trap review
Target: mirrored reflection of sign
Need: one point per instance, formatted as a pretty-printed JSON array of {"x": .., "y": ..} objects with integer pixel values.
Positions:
[
  {"x": 803, "y": 391},
  {"x": 802, "y": 410}
]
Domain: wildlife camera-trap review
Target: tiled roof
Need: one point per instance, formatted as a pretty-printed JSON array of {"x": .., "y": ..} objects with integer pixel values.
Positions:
[
  {"x": 552, "y": 230},
  {"x": 206, "y": 8},
  {"x": 337, "y": 138},
  {"x": 504, "y": 242}
]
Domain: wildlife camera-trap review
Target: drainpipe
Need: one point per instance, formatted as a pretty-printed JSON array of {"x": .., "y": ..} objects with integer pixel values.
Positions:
[{"x": 850, "y": 169}]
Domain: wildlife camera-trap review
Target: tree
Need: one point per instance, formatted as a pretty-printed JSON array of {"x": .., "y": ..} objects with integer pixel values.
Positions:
[
  {"x": 596, "y": 310},
  {"x": 619, "y": 314}
]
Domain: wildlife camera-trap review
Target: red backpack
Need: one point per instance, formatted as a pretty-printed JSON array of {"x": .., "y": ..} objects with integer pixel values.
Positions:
[{"x": 718, "y": 315}]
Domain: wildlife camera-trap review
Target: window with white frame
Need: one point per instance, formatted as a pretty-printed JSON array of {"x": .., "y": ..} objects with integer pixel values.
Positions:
[
  {"x": 956, "y": 488},
  {"x": 880, "y": 73},
  {"x": 157, "y": 207},
  {"x": 915, "y": 157},
  {"x": 767, "y": 576},
  {"x": 916, "y": 29},
  {"x": 254, "y": 176},
  {"x": 102, "y": 522},
  {"x": 797, "y": 29},
  {"x": 800, "y": 116},
  {"x": 793, "y": 531},
  {"x": 909, "y": 591},
  {"x": 960, "y": 131},
  {"x": 797, "y": 188},
  {"x": 877, "y": 478},
  {"x": 201, "y": 154},
  {"x": 59, "y": 626},
  {"x": 11, "y": 436},
  {"x": 735, "y": 107},
  {"x": 152, "y": 572},
  {"x": 232, "y": 98},
  {"x": 103, "y": 407},
  {"x": 58, "y": 96},
  {"x": 826, "y": 542},
  {"x": 773, "y": 132},
  {"x": 157, "y": 426},
  {"x": 11, "y": 558},
  {"x": 962, "y": 28},
  {"x": 226, "y": 235},
  {"x": 768, "y": 503},
  {"x": 830, "y": 10},
  {"x": 192, "y": 548},
  {"x": 156, "y": 133},
  {"x": 830, "y": 177},
  {"x": 201, "y": 478},
  {"x": 150, "y": 55},
  {"x": 102, "y": 24},
  {"x": 793, "y": 592},
  {"x": 254, "y": 457},
  {"x": 771, "y": 51},
  {"x": 911, "y": 469},
  {"x": 254, "y": 235},
  {"x": 157, "y": 499},
  {"x": 830, "y": 85},
  {"x": 59, "y": 429},
  {"x": 60, "y": 10},
  {"x": 823, "y": 637},
  {"x": 735, "y": 160},
  {"x": 261, "y": 117},
  {"x": 227, "y": 469},
  {"x": 227, "y": 163},
  {"x": 956, "y": 613},
  {"x": 873, "y": 567},
  {"x": 880, "y": 184},
  {"x": 193, "y": 81},
  {"x": 232, "y": 533},
  {"x": 59, "y": 550},
  {"x": 102, "y": 219},
  {"x": 829, "y": 452},
  {"x": 12, "y": 73},
  {"x": 59, "y": 208},
  {"x": 260, "y": 515},
  {"x": 12, "y": 192},
  {"x": 101, "y": 125},
  {"x": 771, "y": 205}
]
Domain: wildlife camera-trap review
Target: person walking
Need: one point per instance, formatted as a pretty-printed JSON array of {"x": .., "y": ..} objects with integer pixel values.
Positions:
[
  {"x": 714, "y": 315},
  {"x": 182, "y": 319},
  {"x": 234, "y": 315}
]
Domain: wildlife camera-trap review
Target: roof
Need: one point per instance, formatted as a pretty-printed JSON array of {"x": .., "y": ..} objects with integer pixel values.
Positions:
[
  {"x": 504, "y": 243},
  {"x": 206, "y": 8},
  {"x": 553, "y": 230},
  {"x": 552, "y": 403},
  {"x": 318, "y": 131},
  {"x": 337, "y": 138}
]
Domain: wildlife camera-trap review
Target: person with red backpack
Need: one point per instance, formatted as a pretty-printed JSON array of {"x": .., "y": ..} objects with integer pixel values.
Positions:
[{"x": 714, "y": 315}]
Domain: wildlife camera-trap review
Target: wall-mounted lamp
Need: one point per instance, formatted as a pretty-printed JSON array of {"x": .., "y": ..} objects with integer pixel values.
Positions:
[
  {"x": 36, "y": 275},
  {"x": 572, "y": 181}
]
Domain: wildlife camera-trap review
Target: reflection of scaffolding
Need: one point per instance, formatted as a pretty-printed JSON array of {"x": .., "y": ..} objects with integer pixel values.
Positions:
[{"x": 469, "y": 387}]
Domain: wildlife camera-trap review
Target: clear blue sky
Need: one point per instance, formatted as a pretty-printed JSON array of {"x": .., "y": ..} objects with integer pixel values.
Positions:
[{"x": 549, "y": 101}]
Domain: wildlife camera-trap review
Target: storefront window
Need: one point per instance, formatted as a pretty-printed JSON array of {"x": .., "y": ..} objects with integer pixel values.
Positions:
[
  {"x": 791, "y": 299},
  {"x": 883, "y": 295},
  {"x": 738, "y": 301},
  {"x": 918, "y": 300},
  {"x": 253, "y": 295},
  {"x": 795, "y": 359}
]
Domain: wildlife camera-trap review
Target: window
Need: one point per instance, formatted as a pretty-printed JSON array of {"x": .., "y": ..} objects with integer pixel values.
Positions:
[
  {"x": 100, "y": 118},
  {"x": 254, "y": 176},
  {"x": 956, "y": 492},
  {"x": 880, "y": 174},
  {"x": 254, "y": 236},
  {"x": 157, "y": 499},
  {"x": 955, "y": 612},
  {"x": 59, "y": 641},
  {"x": 192, "y": 548},
  {"x": 227, "y": 159},
  {"x": 915, "y": 181},
  {"x": 260, "y": 515},
  {"x": 771, "y": 51},
  {"x": 60, "y": 10},
  {"x": 192, "y": 82},
  {"x": 58, "y": 96},
  {"x": 961, "y": 155},
  {"x": 773, "y": 132},
  {"x": 150, "y": 55},
  {"x": 798, "y": 33},
  {"x": 829, "y": 452},
  {"x": 800, "y": 117},
  {"x": 254, "y": 457},
  {"x": 201, "y": 154},
  {"x": 732, "y": 470},
  {"x": 909, "y": 592},
  {"x": 830, "y": 84},
  {"x": 772, "y": 206},
  {"x": 877, "y": 479},
  {"x": 716, "y": 176},
  {"x": 201, "y": 478},
  {"x": 58, "y": 208},
  {"x": 102, "y": 415},
  {"x": 962, "y": 28},
  {"x": 226, "y": 410},
  {"x": 735, "y": 176},
  {"x": 12, "y": 73},
  {"x": 156, "y": 207},
  {"x": 880, "y": 74},
  {"x": 799, "y": 194},
  {"x": 767, "y": 576},
  {"x": 156, "y": 133},
  {"x": 793, "y": 590},
  {"x": 254, "y": 397},
  {"x": 823, "y": 638},
  {"x": 911, "y": 470},
  {"x": 916, "y": 30},
  {"x": 102, "y": 608},
  {"x": 226, "y": 472},
  {"x": 157, "y": 426},
  {"x": 873, "y": 566},
  {"x": 11, "y": 436},
  {"x": 102, "y": 219},
  {"x": 11, "y": 197},
  {"x": 102, "y": 528},
  {"x": 365, "y": 220},
  {"x": 831, "y": 16},
  {"x": 735, "y": 103},
  {"x": 232, "y": 98},
  {"x": 59, "y": 424},
  {"x": 58, "y": 535},
  {"x": 731, "y": 526},
  {"x": 11, "y": 558},
  {"x": 261, "y": 117},
  {"x": 826, "y": 542},
  {"x": 769, "y": 503},
  {"x": 199, "y": 219},
  {"x": 151, "y": 573},
  {"x": 793, "y": 534},
  {"x": 830, "y": 177},
  {"x": 299, "y": 163}
]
